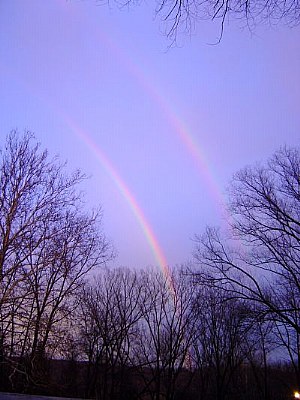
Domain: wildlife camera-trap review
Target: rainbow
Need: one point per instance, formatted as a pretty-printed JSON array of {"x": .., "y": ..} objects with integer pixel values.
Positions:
[
  {"x": 123, "y": 188},
  {"x": 180, "y": 129},
  {"x": 129, "y": 197},
  {"x": 182, "y": 133}
]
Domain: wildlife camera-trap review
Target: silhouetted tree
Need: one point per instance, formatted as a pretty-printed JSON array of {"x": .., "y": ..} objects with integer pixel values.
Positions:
[
  {"x": 220, "y": 345},
  {"x": 261, "y": 261},
  {"x": 108, "y": 323},
  {"x": 182, "y": 16},
  {"x": 48, "y": 244},
  {"x": 165, "y": 332}
]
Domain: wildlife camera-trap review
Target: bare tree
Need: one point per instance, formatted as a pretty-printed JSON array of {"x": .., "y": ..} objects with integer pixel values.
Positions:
[
  {"x": 165, "y": 333},
  {"x": 109, "y": 316},
  {"x": 220, "y": 345},
  {"x": 48, "y": 244},
  {"x": 182, "y": 15},
  {"x": 261, "y": 263}
]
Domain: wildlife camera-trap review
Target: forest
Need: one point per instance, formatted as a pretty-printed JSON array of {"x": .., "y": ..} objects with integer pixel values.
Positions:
[{"x": 224, "y": 326}]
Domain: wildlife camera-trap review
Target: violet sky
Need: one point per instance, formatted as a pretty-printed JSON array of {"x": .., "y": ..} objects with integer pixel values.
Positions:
[{"x": 98, "y": 85}]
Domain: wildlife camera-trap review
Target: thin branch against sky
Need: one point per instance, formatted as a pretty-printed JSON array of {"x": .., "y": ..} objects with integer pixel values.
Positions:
[{"x": 101, "y": 67}]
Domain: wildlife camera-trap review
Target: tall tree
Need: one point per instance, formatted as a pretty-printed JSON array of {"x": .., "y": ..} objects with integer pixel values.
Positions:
[
  {"x": 108, "y": 317},
  {"x": 165, "y": 332},
  {"x": 48, "y": 244},
  {"x": 261, "y": 263},
  {"x": 220, "y": 345}
]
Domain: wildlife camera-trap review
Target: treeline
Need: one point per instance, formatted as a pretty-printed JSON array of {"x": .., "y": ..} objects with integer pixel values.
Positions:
[
  {"x": 223, "y": 327},
  {"x": 132, "y": 334}
]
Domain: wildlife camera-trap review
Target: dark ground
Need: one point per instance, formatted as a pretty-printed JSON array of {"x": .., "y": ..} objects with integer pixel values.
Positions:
[{"x": 15, "y": 396}]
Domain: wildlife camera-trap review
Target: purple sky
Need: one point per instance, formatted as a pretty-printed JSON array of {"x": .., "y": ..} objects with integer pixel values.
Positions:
[{"x": 78, "y": 66}]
